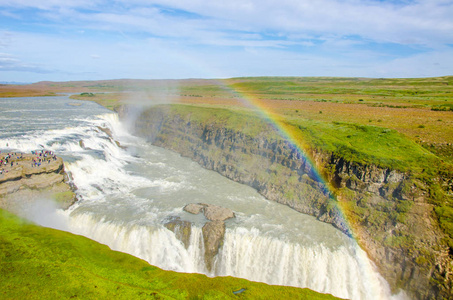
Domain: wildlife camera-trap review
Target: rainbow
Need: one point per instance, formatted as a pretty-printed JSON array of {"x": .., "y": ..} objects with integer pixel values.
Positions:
[{"x": 288, "y": 133}]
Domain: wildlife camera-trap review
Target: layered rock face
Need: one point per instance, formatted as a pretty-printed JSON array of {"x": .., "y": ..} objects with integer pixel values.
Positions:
[
  {"x": 24, "y": 182},
  {"x": 388, "y": 210}
]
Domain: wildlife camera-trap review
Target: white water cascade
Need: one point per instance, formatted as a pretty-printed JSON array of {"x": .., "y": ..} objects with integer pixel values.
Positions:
[
  {"x": 247, "y": 253},
  {"x": 127, "y": 189}
]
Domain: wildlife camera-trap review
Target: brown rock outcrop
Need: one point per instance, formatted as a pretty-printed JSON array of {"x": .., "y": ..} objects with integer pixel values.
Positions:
[
  {"x": 194, "y": 208},
  {"x": 214, "y": 230},
  {"x": 218, "y": 213},
  {"x": 24, "y": 182},
  {"x": 182, "y": 229},
  {"x": 213, "y": 233},
  {"x": 211, "y": 212}
]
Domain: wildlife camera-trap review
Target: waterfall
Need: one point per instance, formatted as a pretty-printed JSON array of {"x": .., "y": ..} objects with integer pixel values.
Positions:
[{"x": 247, "y": 254}]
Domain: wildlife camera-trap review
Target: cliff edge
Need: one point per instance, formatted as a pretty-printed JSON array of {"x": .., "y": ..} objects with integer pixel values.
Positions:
[{"x": 27, "y": 178}]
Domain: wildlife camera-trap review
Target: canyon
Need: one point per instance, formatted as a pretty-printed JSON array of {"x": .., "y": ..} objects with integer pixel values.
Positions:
[{"x": 387, "y": 211}]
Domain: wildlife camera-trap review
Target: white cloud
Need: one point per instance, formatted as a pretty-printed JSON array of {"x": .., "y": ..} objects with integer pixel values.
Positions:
[
  {"x": 51, "y": 4},
  {"x": 423, "y": 22},
  {"x": 170, "y": 38}
]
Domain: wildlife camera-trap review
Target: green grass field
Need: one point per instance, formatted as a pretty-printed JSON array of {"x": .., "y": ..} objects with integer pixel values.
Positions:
[
  {"x": 42, "y": 263},
  {"x": 419, "y": 108}
]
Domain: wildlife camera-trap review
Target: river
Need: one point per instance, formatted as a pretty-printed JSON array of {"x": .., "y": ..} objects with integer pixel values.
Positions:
[{"x": 128, "y": 189}]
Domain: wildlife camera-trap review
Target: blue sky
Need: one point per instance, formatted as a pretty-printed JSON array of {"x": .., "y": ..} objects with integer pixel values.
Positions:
[{"x": 64, "y": 40}]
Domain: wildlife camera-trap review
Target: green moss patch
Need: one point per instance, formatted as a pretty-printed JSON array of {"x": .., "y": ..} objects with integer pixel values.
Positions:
[
  {"x": 364, "y": 144},
  {"x": 247, "y": 122}
]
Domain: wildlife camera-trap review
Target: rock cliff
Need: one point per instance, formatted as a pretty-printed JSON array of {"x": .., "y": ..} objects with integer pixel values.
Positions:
[
  {"x": 387, "y": 210},
  {"x": 28, "y": 178}
]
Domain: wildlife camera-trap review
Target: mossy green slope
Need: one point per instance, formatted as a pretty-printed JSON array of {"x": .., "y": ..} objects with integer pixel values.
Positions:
[
  {"x": 364, "y": 144},
  {"x": 43, "y": 263}
]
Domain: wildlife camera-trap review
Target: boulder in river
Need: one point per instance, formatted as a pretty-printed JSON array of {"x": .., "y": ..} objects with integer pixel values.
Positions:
[
  {"x": 194, "y": 208},
  {"x": 217, "y": 213},
  {"x": 211, "y": 212}
]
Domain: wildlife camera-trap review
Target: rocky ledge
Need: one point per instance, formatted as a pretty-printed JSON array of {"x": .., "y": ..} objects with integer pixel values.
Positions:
[
  {"x": 213, "y": 230},
  {"x": 27, "y": 178}
]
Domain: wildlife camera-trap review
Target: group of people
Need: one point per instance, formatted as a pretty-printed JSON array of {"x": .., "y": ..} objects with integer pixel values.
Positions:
[
  {"x": 13, "y": 158},
  {"x": 41, "y": 157},
  {"x": 7, "y": 160}
]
